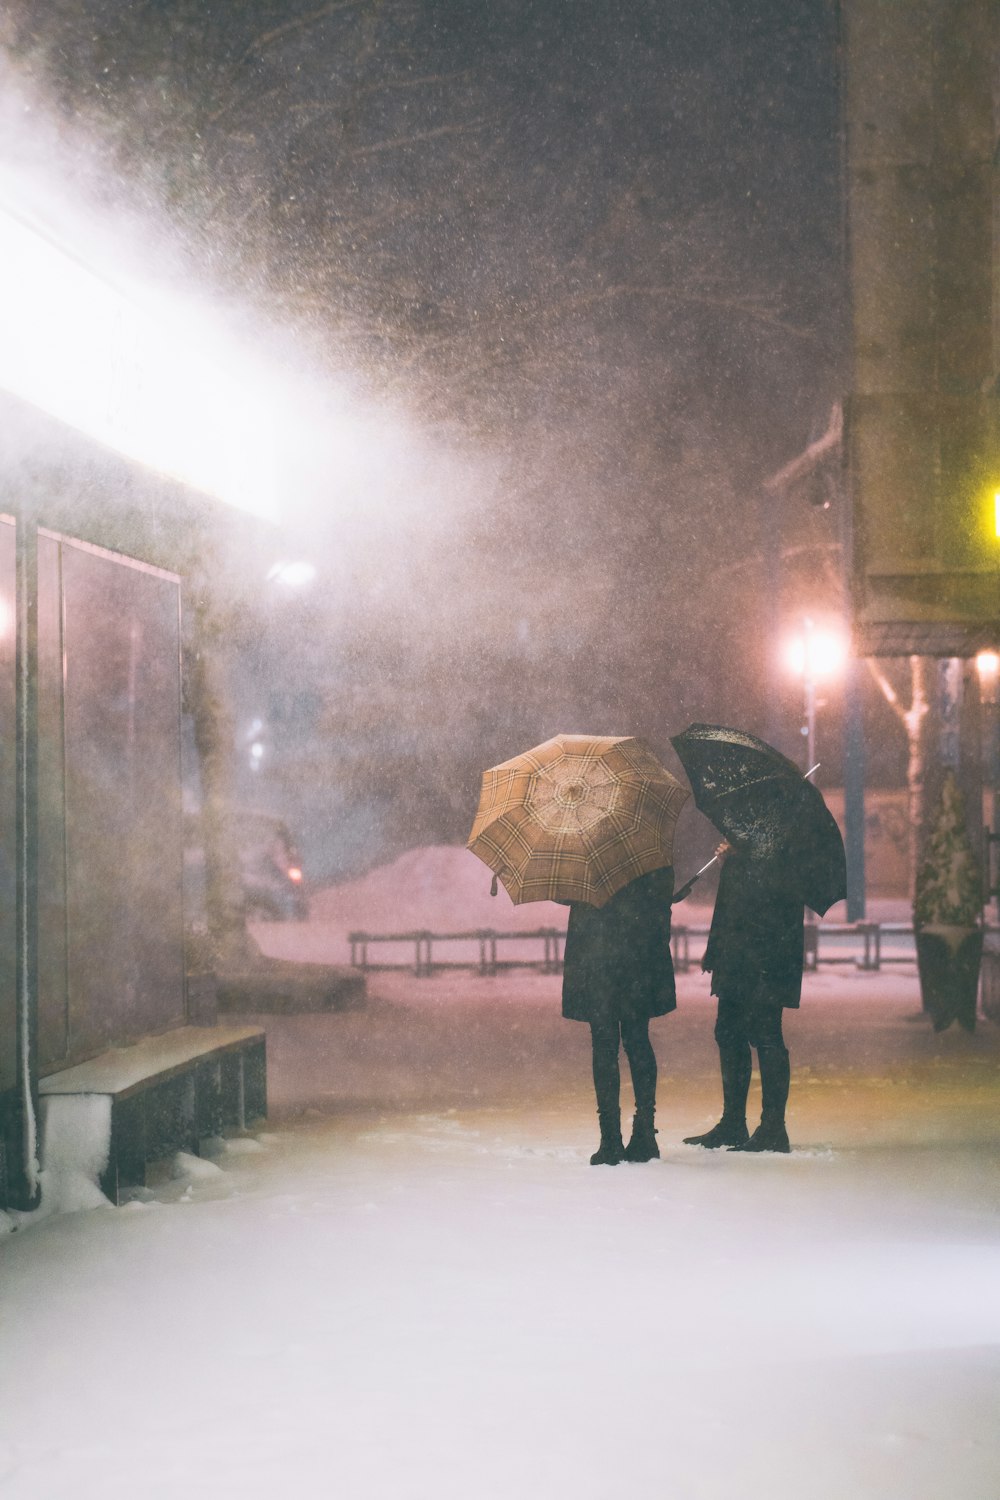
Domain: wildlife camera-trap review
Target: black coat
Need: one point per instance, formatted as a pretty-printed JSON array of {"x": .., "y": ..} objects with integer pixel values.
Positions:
[
  {"x": 617, "y": 964},
  {"x": 756, "y": 938}
]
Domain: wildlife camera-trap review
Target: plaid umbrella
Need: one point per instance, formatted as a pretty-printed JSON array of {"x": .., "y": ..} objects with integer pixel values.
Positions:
[{"x": 576, "y": 818}]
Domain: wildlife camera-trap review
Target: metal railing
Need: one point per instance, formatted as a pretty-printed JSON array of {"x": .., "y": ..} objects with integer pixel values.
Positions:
[
  {"x": 866, "y": 945},
  {"x": 484, "y": 941}
]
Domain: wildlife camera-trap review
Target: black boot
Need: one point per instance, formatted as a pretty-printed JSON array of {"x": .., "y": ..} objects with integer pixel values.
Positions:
[
  {"x": 642, "y": 1146},
  {"x": 770, "y": 1135},
  {"x": 732, "y": 1133},
  {"x": 607, "y": 1087},
  {"x": 772, "y": 1054},
  {"x": 734, "y": 1062},
  {"x": 611, "y": 1150}
]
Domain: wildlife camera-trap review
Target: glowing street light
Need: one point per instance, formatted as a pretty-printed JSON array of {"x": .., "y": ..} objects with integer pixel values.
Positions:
[
  {"x": 815, "y": 655},
  {"x": 988, "y": 668}
]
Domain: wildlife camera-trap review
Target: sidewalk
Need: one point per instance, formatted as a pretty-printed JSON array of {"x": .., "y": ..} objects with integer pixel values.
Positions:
[{"x": 413, "y": 1287}]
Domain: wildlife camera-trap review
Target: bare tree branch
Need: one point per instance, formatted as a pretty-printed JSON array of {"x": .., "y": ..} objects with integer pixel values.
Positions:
[
  {"x": 422, "y": 81},
  {"x": 268, "y": 38},
  {"x": 399, "y": 141},
  {"x": 888, "y": 691},
  {"x": 749, "y": 307},
  {"x": 807, "y": 460}
]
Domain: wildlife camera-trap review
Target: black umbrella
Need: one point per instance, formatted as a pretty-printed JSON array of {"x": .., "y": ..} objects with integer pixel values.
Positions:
[{"x": 765, "y": 807}]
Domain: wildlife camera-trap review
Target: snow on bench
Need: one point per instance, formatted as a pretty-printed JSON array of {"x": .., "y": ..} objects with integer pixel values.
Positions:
[{"x": 166, "y": 1093}]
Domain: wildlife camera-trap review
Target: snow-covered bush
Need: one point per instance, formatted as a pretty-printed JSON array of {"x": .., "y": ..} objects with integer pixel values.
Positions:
[{"x": 949, "y": 887}]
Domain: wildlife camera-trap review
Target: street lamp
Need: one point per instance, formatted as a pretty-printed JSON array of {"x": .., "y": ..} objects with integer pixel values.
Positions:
[{"x": 815, "y": 655}]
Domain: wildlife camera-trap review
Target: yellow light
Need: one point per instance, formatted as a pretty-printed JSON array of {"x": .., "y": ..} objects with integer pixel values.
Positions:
[{"x": 996, "y": 512}]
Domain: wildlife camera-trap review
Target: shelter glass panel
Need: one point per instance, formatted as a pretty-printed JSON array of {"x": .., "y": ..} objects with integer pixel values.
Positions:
[
  {"x": 8, "y": 809},
  {"x": 121, "y": 736},
  {"x": 53, "y": 999}
]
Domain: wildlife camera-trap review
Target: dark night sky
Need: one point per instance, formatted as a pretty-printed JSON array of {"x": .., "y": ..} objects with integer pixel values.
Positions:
[{"x": 595, "y": 244}]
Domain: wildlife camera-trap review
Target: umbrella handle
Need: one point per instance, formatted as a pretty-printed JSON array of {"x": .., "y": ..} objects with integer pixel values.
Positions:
[{"x": 688, "y": 887}]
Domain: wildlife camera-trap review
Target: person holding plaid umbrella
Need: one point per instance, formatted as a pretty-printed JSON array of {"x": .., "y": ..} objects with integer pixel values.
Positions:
[
  {"x": 588, "y": 821},
  {"x": 618, "y": 974}
]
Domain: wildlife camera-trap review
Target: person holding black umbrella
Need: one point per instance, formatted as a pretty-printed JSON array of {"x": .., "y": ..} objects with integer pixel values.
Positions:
[
  {"x": 782, "y": 852},
  {"x": 755, "y": 957}
]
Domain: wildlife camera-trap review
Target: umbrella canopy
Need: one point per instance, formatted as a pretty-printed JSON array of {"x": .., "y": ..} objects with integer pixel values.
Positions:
[
  {"x": 576, "y": 818},
  {"x": 764, "y": 806}
]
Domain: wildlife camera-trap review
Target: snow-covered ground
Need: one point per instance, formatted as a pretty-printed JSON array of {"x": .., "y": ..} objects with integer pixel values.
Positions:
[{"x": 412, "y": 1286}]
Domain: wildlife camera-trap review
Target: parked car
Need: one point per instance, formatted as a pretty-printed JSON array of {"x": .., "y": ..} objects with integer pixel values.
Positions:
[{"x": 274, "y": 885}]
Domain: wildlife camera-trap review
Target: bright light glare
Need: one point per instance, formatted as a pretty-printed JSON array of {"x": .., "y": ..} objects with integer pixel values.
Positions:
[
  {"x": 996, "y": 512},
  {"x": 815, "y": 654},
  {"x": 6, "y": 617},
  {"x": 988, "y": 666},
  {"x": 296, "y": 575},
  {"x": 76, "y": 346}
]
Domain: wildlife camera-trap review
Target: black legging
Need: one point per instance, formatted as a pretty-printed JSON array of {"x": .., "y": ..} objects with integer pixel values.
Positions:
[
  {"x": 606, "y": 1038},
  {"x": 746, "y": 1021}
]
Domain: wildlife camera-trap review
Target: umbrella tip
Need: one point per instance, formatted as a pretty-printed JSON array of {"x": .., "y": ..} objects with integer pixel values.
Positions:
[{"x": 493, "y": 886}]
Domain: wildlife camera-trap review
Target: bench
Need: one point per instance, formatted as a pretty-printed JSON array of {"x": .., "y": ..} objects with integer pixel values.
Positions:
[{"x": 169, "y": 1093}]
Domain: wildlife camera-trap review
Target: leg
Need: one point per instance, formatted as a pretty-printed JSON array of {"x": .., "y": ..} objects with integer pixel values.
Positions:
[
  {"x": 775, "y": 1073},
  {"x": 735, "y": 1063},
  {"x": 642, "y": 1063},
  {"x": 605, "y": 1037}
]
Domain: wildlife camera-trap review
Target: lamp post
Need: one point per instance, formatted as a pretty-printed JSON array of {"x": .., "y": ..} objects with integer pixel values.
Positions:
[{"x": 815, "y": 655}]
